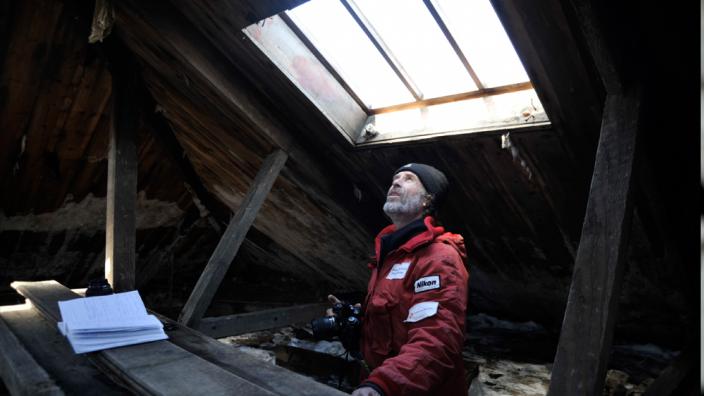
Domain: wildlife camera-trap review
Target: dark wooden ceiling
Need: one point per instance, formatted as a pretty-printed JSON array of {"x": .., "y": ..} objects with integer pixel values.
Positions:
[{"x": 217, "y": 107}]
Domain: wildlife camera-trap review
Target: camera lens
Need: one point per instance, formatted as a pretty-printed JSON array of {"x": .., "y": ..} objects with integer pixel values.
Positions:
[{"x": 324, "y": 328}]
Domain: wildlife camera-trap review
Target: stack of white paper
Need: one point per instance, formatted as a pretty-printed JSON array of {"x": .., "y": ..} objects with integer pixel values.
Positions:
[{"x": 102, "y": 322}]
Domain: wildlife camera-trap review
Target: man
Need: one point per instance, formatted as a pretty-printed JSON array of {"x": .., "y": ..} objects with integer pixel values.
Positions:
[{"x": 414, "y": 312}]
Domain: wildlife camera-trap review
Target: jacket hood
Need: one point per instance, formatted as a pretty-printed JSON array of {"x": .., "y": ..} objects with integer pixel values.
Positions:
[{"x": 432, "y": 233}]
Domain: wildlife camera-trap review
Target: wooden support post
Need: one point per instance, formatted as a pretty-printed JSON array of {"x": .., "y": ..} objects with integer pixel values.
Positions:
[
  {"x": 587, "y": 329},
  {"x": 231, "y": 240},
  {"x": 230, "y": 325},
  {"x": 122, "y": 181}
]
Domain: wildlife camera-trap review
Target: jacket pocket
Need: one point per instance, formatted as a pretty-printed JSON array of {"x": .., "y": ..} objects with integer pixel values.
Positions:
[{"x": 379, "y": 324}]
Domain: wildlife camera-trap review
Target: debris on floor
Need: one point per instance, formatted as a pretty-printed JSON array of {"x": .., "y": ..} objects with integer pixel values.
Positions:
[{"x": 501, "y": 358}]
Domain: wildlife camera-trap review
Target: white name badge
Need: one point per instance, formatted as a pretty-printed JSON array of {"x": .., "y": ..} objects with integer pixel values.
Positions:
[
  {"x": 421, "y": 311},
  {"x": 398, "y": 271}
]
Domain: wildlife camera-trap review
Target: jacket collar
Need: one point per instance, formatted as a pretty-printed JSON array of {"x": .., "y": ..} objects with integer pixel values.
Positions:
[{"x": 415, "y": 241}]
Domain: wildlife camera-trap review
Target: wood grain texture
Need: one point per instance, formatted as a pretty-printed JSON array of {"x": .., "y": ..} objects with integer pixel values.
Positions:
[
  {"x": 231, "y": 240},
  {"x": 75, "y": 374},
  {"x": 266, "y": 375},
  {"x": 22, "y": 374},
  {"x": 122, "y": 181},
  {"x": 587, "y": 330}
]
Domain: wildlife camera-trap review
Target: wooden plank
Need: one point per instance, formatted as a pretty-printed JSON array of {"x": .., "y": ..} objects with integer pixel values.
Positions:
[
  {"x": 75, "y": 374},
  {"x": 155, "y": 368},
  {"x": 273, "y": 378},
  {"x": 22, "y": 374},
  {"x": 230, "y": 325},
  {"x": 231, "y": 240},
  {"x": 587, "y": 330},
  {"x": 120, "y": 232},
  {"x": 162, "y": 368},
  {"x": 267, "y": 376}
]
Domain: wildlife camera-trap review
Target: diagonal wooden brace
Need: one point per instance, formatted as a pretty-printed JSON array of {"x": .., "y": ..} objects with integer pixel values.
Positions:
[{"x": 231, "y": 240}]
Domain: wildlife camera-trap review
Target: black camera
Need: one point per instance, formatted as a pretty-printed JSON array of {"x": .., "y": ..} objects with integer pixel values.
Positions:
[
  {"x": 98, "y": 287},
  {"x": 346, "y": 324}
]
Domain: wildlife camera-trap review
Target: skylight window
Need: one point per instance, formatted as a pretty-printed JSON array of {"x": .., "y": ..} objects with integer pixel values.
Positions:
[
  {"x": 415, "y": 39},
  {"x": 415, "y": 68},
  {"x": 350, "y": 52},
  {"x": 484, "y": 42}
]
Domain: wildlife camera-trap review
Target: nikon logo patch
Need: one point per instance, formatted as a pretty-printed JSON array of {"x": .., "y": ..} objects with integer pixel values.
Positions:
[{"x": 427, "y": 283}]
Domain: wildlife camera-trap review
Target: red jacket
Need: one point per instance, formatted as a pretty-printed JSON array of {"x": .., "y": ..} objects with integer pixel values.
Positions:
[{"x": 420, "y": 354}]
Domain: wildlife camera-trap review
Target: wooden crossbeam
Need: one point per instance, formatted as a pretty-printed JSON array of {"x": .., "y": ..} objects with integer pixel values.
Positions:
[
  {"x": 231, "y": 240},
  {"x": 229, "y": 325},
  {"x": 587, "y": 330},
  {"x": 22, "y": 374}
]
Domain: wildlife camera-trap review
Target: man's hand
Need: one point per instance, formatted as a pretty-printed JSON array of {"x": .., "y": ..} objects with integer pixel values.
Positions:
[
  {"x": 334, "y": 300},
  {"x": 365, "y": 391}
]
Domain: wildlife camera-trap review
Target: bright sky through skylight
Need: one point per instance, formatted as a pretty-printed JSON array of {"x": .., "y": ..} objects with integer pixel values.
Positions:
[
  {"x": 412, "y": 36},
  {"x": 343, "y": 43},
  {"x": 415, "y": 39},
  {"x": 480, "y": 35}
]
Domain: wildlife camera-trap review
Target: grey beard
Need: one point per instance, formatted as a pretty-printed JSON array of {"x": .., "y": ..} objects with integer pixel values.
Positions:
[{"x": 411, "y": 206}]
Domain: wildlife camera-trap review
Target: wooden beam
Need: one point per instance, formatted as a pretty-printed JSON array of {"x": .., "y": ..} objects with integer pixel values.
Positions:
[
  {"x": 270, "y": 378},
  {"x": 229, "y": 325},
  {"x": 231, "y": 240},
  {"x": 22, "y": 374},
  {"x": 587, "y": 330},
  {"x": 120, "y": 231},
  {"x": 75, "y": 373},
  {"x": 154, "y": 368},
  {"x": 604, "y": 58}
]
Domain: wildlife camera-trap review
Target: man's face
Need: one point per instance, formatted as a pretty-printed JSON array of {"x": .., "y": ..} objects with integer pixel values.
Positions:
[{"x": 406, "y": 195}]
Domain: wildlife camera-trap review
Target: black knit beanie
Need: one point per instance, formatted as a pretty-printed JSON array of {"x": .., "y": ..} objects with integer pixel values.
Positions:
[{"x": 433, "y": 180}]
